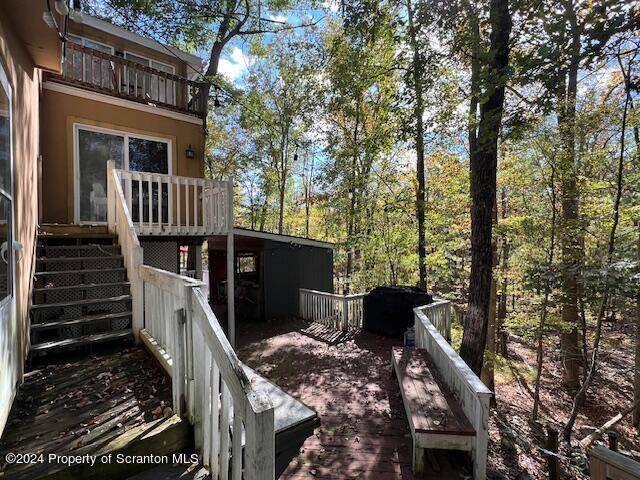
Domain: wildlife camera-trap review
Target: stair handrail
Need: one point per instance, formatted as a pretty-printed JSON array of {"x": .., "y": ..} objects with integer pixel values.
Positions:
[{"x": 119, "y": 222}]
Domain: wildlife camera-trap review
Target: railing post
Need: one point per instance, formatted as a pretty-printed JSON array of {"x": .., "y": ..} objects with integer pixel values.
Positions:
[
  {"x": 179, "y": 357},
  {"x": 231, "y": 321},
  {"x": 345, "y": 314},
  {"x": 189, "y": 371},
  {"x": 260, "y": 448},
  {"x": 137, "y": 293},
  {"x": 111, "y": 198}
]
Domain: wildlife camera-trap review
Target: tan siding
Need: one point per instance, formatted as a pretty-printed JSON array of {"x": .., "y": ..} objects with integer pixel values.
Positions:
[
  {"x": 60, "y": 111},
  {"x": 24, "y": 79}
]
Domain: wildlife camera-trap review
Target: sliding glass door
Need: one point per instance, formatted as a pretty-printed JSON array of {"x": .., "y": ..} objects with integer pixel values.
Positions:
[{"x": 94, "y": 148}]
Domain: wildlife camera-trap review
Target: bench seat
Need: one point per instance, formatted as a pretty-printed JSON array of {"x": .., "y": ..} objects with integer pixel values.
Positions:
[{"x": 435, "y": 417}]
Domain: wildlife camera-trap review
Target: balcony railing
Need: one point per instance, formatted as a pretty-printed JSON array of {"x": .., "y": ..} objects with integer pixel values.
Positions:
[
  {"x": 171, "y": 205},
  {"x": 117, "y": 76}
]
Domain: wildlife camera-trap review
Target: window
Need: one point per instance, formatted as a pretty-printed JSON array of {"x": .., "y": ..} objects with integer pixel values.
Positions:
[
  {"x": 155, "y": 87},
  {"x": 246, "y": 263},
  {"x": 6, "y": 194}
]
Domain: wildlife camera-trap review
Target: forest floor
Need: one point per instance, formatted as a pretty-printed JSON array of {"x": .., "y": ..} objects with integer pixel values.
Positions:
[{"x": 515, "y": 438}]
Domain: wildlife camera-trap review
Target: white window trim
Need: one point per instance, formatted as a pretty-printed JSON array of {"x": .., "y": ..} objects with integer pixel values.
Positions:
[
  {"x": 110, "y": 47},
  {"x": 9, "y": 299},
  {"x": 120, "y": 133}
]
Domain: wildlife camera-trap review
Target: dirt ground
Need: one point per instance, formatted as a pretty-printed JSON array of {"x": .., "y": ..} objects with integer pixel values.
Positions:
[{"x": 514, "y": 437}]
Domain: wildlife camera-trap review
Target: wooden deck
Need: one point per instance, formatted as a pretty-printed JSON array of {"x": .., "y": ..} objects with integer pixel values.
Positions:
[
  {"x": 91, "y": 405},
  {"x": 346, "y": 378}
]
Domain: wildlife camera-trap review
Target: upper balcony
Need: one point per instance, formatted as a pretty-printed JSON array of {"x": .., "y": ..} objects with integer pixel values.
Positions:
[{"x": 113, "y": 75}]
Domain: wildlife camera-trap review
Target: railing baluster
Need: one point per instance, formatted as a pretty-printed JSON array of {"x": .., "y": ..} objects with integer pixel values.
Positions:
[
  {"x": 236, "y": 449},
  {"x": 224, "y": 433},
  {"x": 150, "y": 202},
  {"x": 140, "y": 203},
  {"x": 178, "y": 206},
  {"x": 186, "y": 205},
  {"x": 215, "y": 440},
  {"x": 209, "y": 401},
  {"x": 160, "y": 204},
  {"x": 196, "y": 220}
]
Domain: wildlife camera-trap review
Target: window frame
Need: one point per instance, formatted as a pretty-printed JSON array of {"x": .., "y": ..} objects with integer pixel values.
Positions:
[{"x": 10, "y": 293}]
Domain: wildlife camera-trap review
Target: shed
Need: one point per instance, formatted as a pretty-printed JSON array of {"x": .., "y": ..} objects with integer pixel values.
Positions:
[{"x": 270, "y": 269}]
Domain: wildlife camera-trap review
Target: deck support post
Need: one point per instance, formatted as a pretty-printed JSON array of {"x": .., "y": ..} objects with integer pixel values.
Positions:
[
  {"x": 231, "y": 321},
  {"x": 198, "y": 258}
]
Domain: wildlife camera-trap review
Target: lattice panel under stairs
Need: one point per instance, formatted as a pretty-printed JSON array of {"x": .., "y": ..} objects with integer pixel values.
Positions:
[{"x": 163, "y": 255}]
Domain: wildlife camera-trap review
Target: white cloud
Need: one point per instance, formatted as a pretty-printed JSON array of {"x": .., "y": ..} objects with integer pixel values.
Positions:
[
  {"x": 331, "y": 5},
  {"x": 234, "y": 64},
  {"x": 278, "y": 18}
]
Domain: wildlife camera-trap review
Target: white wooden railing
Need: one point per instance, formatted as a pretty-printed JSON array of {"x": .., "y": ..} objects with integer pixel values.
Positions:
[
  {"x": 209, "y": 385},
  {"x": 439, "y": 314},
  {"x": 470, "y": 392},
  {"x": 162, "y": 204},
  {"x": 119, "y": 222},
  {"x": 233, "y": 422},
  {"x": 343, "y": 312},
  {"x": 606, "y": 464}
]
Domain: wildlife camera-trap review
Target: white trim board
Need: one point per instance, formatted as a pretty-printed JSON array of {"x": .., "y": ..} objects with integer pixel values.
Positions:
[
  {"x": 241, "y": 232},
  {"x": 120, "y": 102}
]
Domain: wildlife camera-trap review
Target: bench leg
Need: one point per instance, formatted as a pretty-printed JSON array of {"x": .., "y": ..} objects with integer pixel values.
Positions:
[
  {"x": 418, "y": 459},
  {"x": 479, "y": 464}
]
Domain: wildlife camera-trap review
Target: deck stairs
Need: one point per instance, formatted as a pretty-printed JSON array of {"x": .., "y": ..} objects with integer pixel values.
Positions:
[{"x": 81, "y": 294}]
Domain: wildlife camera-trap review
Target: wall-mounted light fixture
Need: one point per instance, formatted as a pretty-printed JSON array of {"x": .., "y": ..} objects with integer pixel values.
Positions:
[{"x": 189, "y": 152}]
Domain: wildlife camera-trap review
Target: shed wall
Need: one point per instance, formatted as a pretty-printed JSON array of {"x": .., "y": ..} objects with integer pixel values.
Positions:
[{"x": 287, "y": 268}]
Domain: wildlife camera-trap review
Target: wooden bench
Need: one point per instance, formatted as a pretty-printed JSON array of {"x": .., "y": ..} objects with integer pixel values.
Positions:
[
  {"x": 471, "y": 395},
  {"x": 435, "y": 417}
]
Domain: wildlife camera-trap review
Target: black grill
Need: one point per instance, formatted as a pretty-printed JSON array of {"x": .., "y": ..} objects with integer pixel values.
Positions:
[{"x": 389, "y": 310}]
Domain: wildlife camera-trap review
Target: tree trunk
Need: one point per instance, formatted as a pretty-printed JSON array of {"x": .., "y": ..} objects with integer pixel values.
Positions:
[
  {"x": 545, "y": 300},
  {"x": 581, "y": 396},
  {"x": 501, "y": 334},
  {"x": 418, "y": 72},
  {"x": 636, "y": 375},
  {"x": 570, "y": 238},
  {"x": 483, "y": 189}
]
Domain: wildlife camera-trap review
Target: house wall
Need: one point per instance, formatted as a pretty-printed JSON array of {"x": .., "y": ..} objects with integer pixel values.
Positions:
[
  {"x": 287, "y": 268},
  {"x": 25, "y": 81},
  {"x": 59, "y": 113}
]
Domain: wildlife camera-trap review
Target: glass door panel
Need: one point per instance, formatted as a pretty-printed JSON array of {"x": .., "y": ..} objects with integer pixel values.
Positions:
[
  {"x": 149, "y": 156},
  {"x": 95, "y": 149}
]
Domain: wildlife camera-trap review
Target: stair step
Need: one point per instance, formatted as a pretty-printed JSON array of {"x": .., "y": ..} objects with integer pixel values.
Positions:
[
  {"x": 84, "y": 340},
  {"x": 82, "y": 303},
  {"x": 71, "y": 272},
  {"x": 78, "y": 259},
  {"x": 89, "y": 246},
  {"x": 78, "y": 320},
  {"x": 81, "y": 286}
]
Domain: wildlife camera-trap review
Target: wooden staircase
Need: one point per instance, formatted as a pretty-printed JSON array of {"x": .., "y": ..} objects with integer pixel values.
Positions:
[{"x": 81, "y": 294}]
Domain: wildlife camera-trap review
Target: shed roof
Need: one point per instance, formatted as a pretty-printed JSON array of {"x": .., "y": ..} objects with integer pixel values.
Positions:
[{"x": 276, "y": 237}]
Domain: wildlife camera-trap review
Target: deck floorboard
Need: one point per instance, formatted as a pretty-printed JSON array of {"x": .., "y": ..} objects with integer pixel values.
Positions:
[
  {"x": 79, "y": 403},
  {"x": 346, "y": 378}
]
